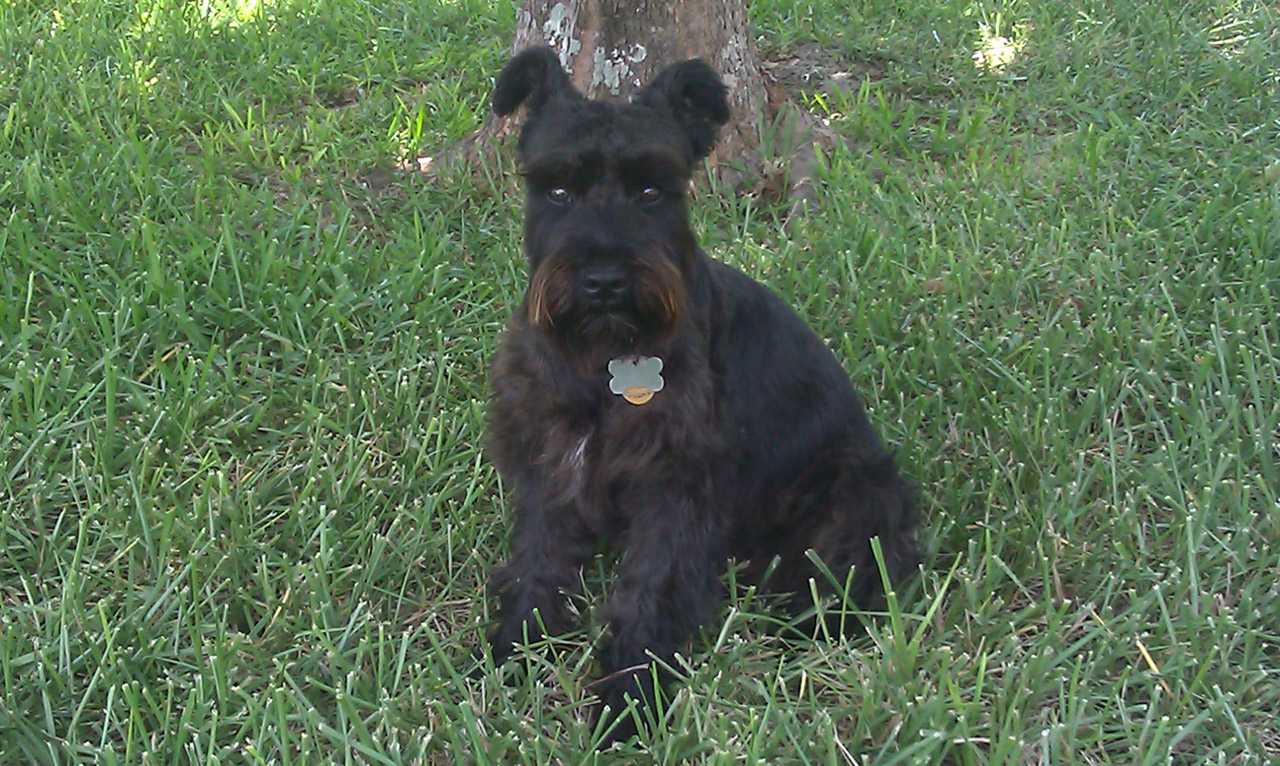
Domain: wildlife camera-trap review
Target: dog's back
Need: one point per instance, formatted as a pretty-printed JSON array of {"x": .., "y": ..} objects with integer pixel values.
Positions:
[{"x": 800, "y": 435}]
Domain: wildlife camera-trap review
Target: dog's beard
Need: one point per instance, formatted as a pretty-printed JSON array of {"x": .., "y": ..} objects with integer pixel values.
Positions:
[
  {"x": 613, "y": 329},
  {"x": 550, "y": 294},
  {"x": 651, "y": 312}
]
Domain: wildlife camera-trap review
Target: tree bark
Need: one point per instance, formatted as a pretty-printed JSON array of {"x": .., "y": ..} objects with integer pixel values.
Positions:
[{"x": 611, "y": 47}]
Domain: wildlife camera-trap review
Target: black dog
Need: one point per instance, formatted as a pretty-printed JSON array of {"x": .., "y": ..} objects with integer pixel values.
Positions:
[{"x": 651, "y": 398}]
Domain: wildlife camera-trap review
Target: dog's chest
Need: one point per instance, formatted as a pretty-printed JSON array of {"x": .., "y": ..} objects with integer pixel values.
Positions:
[
  {"x": 600, "y": 448},
  {"x": 594, "y": 443},
  {"x": 606, "y": 458},
  {"x": 573, "y": 464}
]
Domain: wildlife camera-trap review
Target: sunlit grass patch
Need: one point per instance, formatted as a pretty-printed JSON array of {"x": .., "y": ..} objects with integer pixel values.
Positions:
[{"x": 995, "y": 52}]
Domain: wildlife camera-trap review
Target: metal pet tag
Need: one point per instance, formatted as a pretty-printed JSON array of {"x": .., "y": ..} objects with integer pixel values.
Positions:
[{"x": 636, "y": 378}]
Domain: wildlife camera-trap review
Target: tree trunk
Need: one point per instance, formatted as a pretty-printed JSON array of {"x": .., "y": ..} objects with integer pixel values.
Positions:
[{"x": 610, "y": 47}]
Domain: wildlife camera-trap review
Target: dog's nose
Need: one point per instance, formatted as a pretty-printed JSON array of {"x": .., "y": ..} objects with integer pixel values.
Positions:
[{"x": 605, "y": 285}]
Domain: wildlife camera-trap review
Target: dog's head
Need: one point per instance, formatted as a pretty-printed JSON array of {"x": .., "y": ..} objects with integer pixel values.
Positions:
[{"x": 606, "y": 223}]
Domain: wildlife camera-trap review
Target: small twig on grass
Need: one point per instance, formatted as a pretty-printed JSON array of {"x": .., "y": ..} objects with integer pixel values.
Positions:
[{"x": 1142, "y": 649}]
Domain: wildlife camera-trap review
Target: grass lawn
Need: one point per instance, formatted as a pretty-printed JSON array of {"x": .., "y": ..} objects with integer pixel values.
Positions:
[{"x": 244, "y": 515}]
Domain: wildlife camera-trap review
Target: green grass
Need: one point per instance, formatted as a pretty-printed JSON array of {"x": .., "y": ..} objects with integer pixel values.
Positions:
[{"x": 244, "y": 515}]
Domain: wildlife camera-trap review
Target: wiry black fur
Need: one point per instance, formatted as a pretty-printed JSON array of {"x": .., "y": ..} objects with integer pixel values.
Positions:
[
  {"x": 530, "y": 78},
  {"x": 757, "y": 448}
]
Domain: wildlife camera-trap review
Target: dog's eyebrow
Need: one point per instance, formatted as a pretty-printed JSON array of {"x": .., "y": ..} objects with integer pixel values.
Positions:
[
  {"x": 651, "y": 160},
  {"x": 561, "y": 168}
]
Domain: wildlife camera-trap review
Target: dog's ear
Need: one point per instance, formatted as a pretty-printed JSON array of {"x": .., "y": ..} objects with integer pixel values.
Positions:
[
  {"x": 532, "y": 77},
  {"x": 695, "y": 96}
]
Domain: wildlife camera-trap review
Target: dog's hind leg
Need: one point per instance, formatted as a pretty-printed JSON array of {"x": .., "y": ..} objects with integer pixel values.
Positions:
[
  {"x": 869, "y": 500},
  {"x": 863, "y": 498}
]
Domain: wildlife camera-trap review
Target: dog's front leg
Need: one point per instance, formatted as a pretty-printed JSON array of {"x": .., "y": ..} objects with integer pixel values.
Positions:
[
  {"x": 668, "y": 586},
  {"x": 548, "y": 547}
]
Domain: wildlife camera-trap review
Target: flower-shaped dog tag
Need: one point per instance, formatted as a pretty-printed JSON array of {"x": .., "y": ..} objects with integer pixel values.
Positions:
[{"x": 636, "y": 379}]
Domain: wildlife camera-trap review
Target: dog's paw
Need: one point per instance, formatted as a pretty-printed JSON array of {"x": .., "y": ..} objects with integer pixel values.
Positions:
[
  {"x": 623, "y": 706},
  {"x": 513, "y": 661},
  {"x": 614, "y": 720},
  {"x": 488, "y": 656}
]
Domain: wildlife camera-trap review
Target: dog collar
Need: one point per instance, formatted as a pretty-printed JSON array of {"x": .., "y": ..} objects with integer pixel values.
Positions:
[{"x": 636, "y": 378}]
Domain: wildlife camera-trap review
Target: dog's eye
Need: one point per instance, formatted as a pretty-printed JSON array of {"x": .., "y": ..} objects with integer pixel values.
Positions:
[
  {"x": 559, "y": 195},
  {"x": 651, "y": 194}
]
